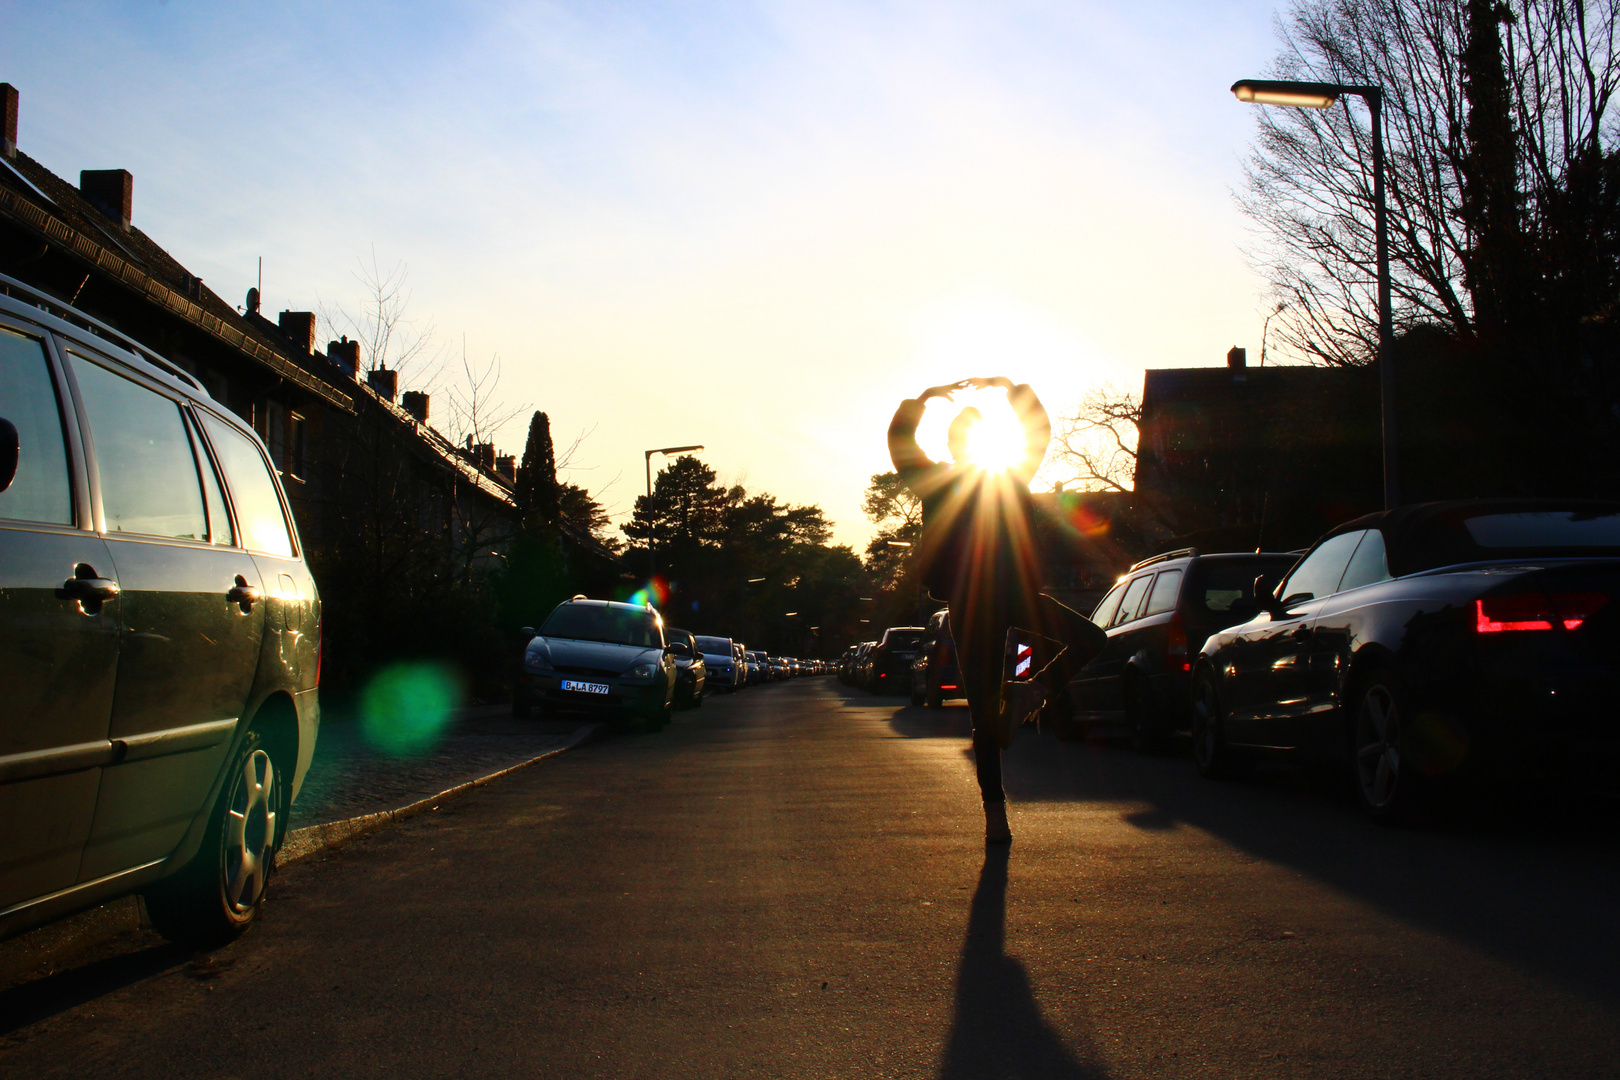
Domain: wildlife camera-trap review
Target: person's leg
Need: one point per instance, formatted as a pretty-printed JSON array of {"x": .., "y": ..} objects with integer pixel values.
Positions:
[{"x": 978, "y": 655}]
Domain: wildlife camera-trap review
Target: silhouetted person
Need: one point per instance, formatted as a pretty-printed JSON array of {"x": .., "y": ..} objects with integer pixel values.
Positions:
[{"x": 978, "y": 555}]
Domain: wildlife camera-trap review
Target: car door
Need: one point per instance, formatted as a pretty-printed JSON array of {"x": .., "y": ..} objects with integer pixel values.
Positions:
[
  {"x": 58, "y": 639},
  {"x": 1333, "y": 639},
  {"x": 1104, "y": 695},
  {"x": 191, "y": 621},
  {"x": 1282, "y": 657}
]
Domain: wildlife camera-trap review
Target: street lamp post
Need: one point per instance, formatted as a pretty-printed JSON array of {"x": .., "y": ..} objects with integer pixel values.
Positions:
[
  {"x": 1315, "y": 95},
  {"x": 652, "y": 555}
]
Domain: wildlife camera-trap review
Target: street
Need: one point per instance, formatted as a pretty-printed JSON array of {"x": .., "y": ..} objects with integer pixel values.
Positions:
[{"x": 792, "y": 882}]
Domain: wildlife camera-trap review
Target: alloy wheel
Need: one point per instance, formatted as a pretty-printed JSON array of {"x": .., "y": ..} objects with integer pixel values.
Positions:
[
  {"x": 250, "y": 832},
  {"x": 1378, "y": 748}
]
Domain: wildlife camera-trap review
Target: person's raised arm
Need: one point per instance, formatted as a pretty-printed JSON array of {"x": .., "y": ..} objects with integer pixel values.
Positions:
[
  {"x": 1037, "y": 427},
  {"x": 909, "y": 460}
]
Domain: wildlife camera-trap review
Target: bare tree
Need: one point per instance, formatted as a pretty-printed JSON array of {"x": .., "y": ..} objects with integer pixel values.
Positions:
[
  {"x": 1094, "y": 444},
  {"x": 389, "y": 337},
  {"x": 1309, "y": 179},
  {"x": 476, "y": 411}
]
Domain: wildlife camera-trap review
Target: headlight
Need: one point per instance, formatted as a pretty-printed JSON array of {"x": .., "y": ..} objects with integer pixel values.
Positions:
[
  {"x": 643, "y": 672},
  {"x": 536, "y": 662}
]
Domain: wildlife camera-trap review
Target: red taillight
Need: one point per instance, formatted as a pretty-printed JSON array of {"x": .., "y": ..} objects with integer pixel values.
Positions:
[
  {"x": 1175, "y": 646},
  {"x": 1535, "y": 611},
  {"x": 947, "y": 686}
]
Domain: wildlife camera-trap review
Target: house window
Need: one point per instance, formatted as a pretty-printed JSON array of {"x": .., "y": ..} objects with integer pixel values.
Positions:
[
  {"x": 276, "y": 435},
  {"x": 295, "y": 446}
]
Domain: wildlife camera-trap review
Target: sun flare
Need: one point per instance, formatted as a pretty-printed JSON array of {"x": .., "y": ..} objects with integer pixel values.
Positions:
[{"x": 995, "y": 442}]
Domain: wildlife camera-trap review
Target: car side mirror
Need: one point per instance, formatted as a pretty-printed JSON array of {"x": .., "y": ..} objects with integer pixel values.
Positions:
[
  {"x": 1265, "y": 595},
  {"x": 9, "y": 447},
  {"x": 527, "y": 631}
]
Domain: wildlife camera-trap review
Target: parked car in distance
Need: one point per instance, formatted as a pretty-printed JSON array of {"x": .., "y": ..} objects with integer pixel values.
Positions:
[
  {"x": 599, "y": 657},
  {"x": 934, "y": 674},
  {"x": 889, "y": 661},
  {"x": 1428, "y": 647},
  {"x": 1157, "y": 617},
  {"x": 159, "y": 636},
  {"x": 756, "y": 667},
  {"x": 739, "y": 653},
  {"x": 721, "y": 659},
  {"x": 690, "y": 670}
]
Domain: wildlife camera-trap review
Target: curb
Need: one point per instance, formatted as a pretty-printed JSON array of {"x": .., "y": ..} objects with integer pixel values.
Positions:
[
  {"x": 312, "y": 839},
  {"x": 74, "y": 933}
]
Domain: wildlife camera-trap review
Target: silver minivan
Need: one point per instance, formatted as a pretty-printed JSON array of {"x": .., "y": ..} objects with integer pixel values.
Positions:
[{"x": 159, "y": 635}]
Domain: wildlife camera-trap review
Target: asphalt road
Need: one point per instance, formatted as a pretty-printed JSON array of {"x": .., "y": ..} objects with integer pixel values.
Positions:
[{"x": 792, "y": 882}]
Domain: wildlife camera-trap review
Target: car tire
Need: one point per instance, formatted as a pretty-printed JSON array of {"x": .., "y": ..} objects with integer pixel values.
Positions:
[
  {"x": 1381, "y": 767},
  {"x": 1214, "y": 757},
  {"x": 935, "y": 696},
  {"x": 1146, "y": 730},
  {"x": 221, "y": 890}
]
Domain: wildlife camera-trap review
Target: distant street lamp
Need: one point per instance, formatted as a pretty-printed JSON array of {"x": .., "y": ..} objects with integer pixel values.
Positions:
[
  {"x": 652, "y": 557},
  {"x": 1315, "y": 95}
]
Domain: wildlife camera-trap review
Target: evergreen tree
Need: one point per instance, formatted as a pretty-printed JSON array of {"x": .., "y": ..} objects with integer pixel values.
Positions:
[{"x": 537, "y": 491}]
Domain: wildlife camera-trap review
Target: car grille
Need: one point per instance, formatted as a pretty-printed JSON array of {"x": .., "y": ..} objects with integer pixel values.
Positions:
[{"x": 593, "y": 672}]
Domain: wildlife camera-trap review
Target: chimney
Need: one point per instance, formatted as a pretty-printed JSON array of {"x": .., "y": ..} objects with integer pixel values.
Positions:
[
  {"x": 416, "y": 403},
  {"x": 345, "y": 354},
  {"x": 385, "y": 382},
  {"x": 484, "y": 455},
  {"x": 8, "y": 120},
  {"x": 506, "y": 467},
  {"x": 1237, "y": 359},
  {"x": 112, "y": 191},
  {"x": 299, "y": 326}
]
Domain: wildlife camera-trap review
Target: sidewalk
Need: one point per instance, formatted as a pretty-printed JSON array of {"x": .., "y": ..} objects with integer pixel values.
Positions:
[{"x": 350, "y": 777}]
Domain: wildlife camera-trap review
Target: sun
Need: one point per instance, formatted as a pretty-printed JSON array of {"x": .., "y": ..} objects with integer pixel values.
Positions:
[{"x": 995, "y": 443}]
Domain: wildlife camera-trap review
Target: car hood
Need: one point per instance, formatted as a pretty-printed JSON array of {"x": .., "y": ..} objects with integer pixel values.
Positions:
[{"x": 606, "y": 655}]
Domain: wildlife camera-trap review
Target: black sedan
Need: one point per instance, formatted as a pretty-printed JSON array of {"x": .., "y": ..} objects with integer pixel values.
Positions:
[{"x": 1420, "y": 647}]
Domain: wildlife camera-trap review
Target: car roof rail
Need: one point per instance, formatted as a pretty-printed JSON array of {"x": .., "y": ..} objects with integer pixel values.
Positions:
[
  {"x": 17, "y": 290},
  {"x": 1179, "y": 553}
]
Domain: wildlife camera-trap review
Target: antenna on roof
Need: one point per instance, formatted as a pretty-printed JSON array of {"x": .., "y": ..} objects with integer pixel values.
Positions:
[{"x": 261, "y": 275}]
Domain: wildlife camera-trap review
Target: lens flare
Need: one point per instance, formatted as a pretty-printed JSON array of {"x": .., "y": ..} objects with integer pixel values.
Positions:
[
  {"x": 655, "y": 592},
  {"x": 406, "y": 707}
]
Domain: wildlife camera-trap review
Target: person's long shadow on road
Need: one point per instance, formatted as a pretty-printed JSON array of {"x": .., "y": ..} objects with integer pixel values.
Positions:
[{"x": 997, "y": 1029}]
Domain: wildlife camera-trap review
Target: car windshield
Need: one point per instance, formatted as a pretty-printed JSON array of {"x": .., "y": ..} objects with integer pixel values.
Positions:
[
  {"x": 718, "y": 645},
  {"x": 595, "y": 622}
]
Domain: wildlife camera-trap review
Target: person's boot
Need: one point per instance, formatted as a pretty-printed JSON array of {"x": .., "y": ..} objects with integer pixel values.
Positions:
[{"x": 996, "y": 829}]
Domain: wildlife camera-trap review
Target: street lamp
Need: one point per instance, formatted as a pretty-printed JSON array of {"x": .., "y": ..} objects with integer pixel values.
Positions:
[
  {"x": 652, "y": 557},
  {"x": 1315, "y": 95}
]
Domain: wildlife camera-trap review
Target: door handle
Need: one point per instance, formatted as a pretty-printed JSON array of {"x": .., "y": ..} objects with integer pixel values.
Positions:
[
  {"x": 88, "y": 588},
  {"x": 243, "y": 594}
]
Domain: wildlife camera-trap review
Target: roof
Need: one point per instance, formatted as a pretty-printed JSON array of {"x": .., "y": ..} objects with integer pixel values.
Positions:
[
  {"x": 38, "y": 201},
  {"x": 1204, "y": 384}
]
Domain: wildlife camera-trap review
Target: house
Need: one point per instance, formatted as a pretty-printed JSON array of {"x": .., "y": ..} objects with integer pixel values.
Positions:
[{"x": 1237, "y": 458}]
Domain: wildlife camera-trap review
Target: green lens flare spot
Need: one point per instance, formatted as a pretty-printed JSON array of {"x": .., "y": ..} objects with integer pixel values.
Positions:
[{"x": 406, "y": 707}]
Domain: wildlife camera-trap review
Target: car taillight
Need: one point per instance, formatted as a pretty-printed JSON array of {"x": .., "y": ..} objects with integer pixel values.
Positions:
[
  {"x": 1535, "y": 611},
  {"x": 1175, "y": 646}
]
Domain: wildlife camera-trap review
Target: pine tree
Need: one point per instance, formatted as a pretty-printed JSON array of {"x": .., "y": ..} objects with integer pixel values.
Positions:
[{"x": 537, "y": 489}]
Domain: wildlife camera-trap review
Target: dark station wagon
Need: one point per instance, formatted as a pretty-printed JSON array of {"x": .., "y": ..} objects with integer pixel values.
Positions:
[
  {"x": 1157, "y": 618},
  {"x": 159, "y": 635}
]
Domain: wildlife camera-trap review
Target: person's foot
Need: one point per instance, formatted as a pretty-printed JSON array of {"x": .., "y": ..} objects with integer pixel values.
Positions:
[{"x": 996, "y": 829}]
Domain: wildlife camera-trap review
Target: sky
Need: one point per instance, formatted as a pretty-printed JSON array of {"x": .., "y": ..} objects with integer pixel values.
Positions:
[{"x": 754, "y": 226}]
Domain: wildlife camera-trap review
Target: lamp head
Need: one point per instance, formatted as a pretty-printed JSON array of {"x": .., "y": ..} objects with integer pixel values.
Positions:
[{"x": 1301, "y": 95}]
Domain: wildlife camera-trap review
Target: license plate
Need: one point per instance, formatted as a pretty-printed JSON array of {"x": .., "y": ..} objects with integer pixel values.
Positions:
[{"x": 585, "y": 687}]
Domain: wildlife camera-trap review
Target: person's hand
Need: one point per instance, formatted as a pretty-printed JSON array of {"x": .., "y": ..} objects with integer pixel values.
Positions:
[
  {"x": 984, "y": 384},
  {"x": 943, "y": 391}
]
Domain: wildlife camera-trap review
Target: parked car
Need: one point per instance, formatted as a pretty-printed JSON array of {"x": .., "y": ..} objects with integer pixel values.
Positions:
[
  {"x": 721, "y": 658},
  {"x": 159, "y": 635},
  {"x": 860, "y": 664},
  {"x": 739, "y": 653},
  {"x": 934, "y": 674},
  {"x": 888, "y": 662},
  {"x": 1157, "y": 618},
  {"x": 690, "y": 670},
  {"x": 1438, "y": 643},
  {"x": 600, "y": 657},
  {"x": 756, "y": 667}
]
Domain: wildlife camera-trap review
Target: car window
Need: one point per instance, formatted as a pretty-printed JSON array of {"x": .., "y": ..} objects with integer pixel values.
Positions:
[
  {"x": 714, "y": 644},
  {"x": 253, "y": 492},
  {"x": 1109, "y": 605},
  {"x": 1319, "y": 572},
  {"x": 1221, "y": 583},
  {"x": 1131, "y": 600},
  {"x": 1166, "y": 588},
  {"x": 219, "y": 518},
  {"x": 598, "y": 622},
  {"x": 1369, "y": 564},
  {"x": 149, "y": 479},
  {"x": 40, "y": 491}
]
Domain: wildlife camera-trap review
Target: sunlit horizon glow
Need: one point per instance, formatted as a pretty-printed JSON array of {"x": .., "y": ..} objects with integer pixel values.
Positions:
[{"x": 756, "y": 226}]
